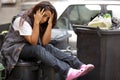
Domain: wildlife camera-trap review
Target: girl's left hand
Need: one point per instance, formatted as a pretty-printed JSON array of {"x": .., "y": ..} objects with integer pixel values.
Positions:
[{"x": 51, "y": 19}]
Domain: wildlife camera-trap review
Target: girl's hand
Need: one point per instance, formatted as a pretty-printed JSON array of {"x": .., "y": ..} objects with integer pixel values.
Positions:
[
  {"x": 38, "y": 16},
  {"x": 51, "y": 19}
]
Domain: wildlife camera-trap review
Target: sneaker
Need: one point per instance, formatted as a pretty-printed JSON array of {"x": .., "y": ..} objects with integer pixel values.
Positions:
[
  {"x": 86, "y": 68},
  {"x": 73, "y": 74}
]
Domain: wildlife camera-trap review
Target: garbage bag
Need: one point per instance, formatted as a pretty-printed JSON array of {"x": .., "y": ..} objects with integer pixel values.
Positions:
[
  {"x": 115, "y": 23},
  {"x": 103, "y": 22},
  {"x": 1, "y": 68}
]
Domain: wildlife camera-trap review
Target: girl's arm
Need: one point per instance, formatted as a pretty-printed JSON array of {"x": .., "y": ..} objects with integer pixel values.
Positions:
[
  {"x": 33, "y": 39},
  {"x": 47, "y": 35}
]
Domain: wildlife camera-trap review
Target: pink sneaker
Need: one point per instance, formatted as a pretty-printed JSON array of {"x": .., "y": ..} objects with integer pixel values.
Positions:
[
  {"x": 86, "y": 68},
  {"x": 73, "y": 74}
]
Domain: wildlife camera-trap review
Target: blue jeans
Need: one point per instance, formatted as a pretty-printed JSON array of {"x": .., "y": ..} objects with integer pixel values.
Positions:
[{"x": 50, "y": 56}]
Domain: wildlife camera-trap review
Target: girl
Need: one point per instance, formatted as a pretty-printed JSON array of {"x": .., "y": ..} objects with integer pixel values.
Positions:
[{"x": 28, "y": 39}]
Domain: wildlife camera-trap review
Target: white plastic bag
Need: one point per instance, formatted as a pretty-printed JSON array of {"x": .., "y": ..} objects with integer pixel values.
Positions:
[{"x": 103, "y": 22}]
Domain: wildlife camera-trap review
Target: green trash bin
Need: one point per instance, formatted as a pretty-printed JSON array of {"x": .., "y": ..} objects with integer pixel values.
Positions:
[{"x": 1, "y": 68}]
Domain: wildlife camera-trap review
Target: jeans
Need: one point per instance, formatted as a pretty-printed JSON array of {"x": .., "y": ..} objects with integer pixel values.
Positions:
[{"x": 50, "y": 56}]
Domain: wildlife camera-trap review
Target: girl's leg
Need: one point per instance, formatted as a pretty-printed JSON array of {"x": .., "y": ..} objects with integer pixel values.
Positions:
[
  {"x": 39, "y": 53},
  {"x": 72, "y": 61}
]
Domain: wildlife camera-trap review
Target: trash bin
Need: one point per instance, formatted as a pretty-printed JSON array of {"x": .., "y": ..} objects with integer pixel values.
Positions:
[
  {"x": 25, "y": 71},
  {"x": 101, "y": 48},
  {"x": 1, "y": 69}
]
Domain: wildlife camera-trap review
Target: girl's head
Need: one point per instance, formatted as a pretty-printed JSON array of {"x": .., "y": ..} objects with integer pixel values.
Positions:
[{"x": 48, "y": 8}]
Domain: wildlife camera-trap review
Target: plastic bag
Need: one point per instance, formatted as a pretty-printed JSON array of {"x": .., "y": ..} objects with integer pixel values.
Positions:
[{"x": 103, "y": 22}]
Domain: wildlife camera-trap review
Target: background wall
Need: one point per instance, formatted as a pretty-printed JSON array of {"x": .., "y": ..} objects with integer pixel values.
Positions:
[{"x": 7, "y": 11}]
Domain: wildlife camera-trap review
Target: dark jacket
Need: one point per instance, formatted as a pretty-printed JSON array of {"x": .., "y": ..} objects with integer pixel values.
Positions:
[{"x": 12, "y": 46}]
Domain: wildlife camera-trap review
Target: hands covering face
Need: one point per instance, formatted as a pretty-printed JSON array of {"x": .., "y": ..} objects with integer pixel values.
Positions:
[
  {"x": 51, "y": 18},
  {"x": 42, "y": 16},
  {"x": 38, "y": 16}
]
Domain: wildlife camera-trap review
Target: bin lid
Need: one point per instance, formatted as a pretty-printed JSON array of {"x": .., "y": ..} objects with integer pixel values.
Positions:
[
  {"x": 1, "y": 67},
  {"x": 86, "y": 29},
  {"x": 26, "y": 64}
]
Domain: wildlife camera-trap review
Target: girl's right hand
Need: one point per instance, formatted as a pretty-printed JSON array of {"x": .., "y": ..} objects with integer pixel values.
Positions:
[{"x": 38, "y": 16}]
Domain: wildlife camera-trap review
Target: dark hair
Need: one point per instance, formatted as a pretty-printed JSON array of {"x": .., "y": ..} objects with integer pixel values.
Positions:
[{"x": 30, "y": 13}]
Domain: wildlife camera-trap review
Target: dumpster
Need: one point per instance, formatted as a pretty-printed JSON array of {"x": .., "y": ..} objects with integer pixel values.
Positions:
[{"x": 101, "y": 48}]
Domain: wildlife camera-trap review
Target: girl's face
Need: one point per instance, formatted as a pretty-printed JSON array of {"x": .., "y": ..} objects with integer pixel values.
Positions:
[{"x": 46, "y": 16}]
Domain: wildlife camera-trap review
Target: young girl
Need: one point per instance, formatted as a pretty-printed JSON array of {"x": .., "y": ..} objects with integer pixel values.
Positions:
[{"x": 28, "y": 39}]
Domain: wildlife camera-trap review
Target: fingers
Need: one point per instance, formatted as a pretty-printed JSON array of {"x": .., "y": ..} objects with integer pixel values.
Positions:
[
  {"x": 38, "y": 16},
  {"x": 40, "y": 12},
  {"x": 51, "y": 18},
  {"x": 52, "y": 15}
]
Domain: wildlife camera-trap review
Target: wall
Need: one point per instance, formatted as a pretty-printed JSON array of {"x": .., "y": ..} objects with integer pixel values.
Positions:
[{"x": 7, "y": 11}]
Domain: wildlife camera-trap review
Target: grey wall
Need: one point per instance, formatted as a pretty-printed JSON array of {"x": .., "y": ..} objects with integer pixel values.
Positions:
[{"x": 8, "y": 11}]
